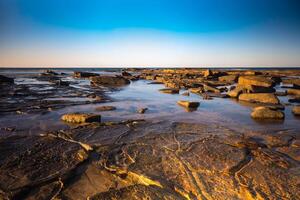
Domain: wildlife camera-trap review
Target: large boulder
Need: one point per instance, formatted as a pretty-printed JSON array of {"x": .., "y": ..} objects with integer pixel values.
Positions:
[
  {"x": 239, "y": 89},
  {"x": 110, "y": 81},
  {"x": 228, "y": 78},
  {"x": 256, "y": 81},
  {"x": 266, "y": 113},
  {"x": 267, "y": 98},
  {"x": 81, "y": 118},
  {"x": 188, "y": 104},
  {"x": 4, "y": 79}
]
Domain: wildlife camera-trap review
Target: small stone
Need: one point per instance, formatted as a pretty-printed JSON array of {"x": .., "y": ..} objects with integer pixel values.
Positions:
[{"x": 81, "y": 118}]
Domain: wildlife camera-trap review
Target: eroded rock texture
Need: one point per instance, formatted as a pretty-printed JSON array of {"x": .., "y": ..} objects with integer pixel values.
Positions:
[{"x": 147, "y": 160}]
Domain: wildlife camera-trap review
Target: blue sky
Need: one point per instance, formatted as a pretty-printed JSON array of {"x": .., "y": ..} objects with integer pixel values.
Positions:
[{"x": 187, "y": 33}]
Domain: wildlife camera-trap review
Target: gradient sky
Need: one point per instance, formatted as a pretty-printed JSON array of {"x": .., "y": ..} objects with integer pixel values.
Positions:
[{"x": 167, "y": 33}]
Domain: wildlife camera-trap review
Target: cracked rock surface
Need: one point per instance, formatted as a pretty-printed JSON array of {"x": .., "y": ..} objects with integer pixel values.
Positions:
[{"x": 150, "y": 160}]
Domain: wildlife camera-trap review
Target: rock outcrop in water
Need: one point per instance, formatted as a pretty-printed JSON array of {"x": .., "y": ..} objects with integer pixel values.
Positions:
[{"x": 267, "y": 113}]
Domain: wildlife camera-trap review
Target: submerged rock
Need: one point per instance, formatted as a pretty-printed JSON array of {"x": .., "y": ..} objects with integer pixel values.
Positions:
[
  {"x": 266, "y": 113},
  {"x": 188, "y": 104},
  {"x": 296, "y": 110},
  {"x": 81, "y": 118},
  {"x": 169, "y": 90},
  {"x": 106, "y": 108},
  {"x": 267, "y": 98},
  {"x": 110, "y": 81}
]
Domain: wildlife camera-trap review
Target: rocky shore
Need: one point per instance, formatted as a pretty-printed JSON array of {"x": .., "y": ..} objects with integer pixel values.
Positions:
[{"x": 150, "y": 159}]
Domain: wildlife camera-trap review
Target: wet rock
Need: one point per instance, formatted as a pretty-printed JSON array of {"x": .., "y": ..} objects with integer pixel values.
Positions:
[
  {"x": 169, "y": 90},
  {"x": 4, "y": 79},
  {"x": 256, "y": 81},
  {"x": 109, "y": 81},
  {"x": 142, "y": 110},
  {"x": 266, "y": 113},
  {"x": 293, "y": 92},
  {"x": 79, "y": 74},
  {"x": 188, "y": 104},
  {"x": 296, "y": 110},
  {"x": 260, "y": 98},
  {"x": 81, "y": 118},
  {"x": 106, "y": 108}
]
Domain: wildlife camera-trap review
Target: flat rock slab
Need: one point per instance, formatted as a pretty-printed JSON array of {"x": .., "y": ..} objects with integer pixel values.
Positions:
[
  {"x": 139, "y": 160},
  {"x": 256, "y": 81},
  {"x": 169, "y": 90},
  {"x": 109, "y": 81},
  {"x": 260, "y": 98},
  {"x": 81, "y": 118},
  {"x": 266, "y": 113}
]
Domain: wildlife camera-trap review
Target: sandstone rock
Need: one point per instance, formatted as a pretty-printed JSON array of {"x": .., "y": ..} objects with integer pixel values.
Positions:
[
  {"x": 266, "y": 113},
  {"x": 84, "y": 74},
  {"x": 293, "y": 92},
  {"x": 110, "y": 81},
  {"x": 260, "y": 98},
  {"x": 196, "y": 90},
  {"x": 235, "y": 92},
  {"x": 296, "y": 110},
  {"x": 81, "y": 118},
  {"x": 208, "y": 88},
  {"x": 207, "y": 73},
  {"x": 229, "y": 78},
  {"x": 4, "y": 79},
  {"x": 106, "y": 108},
  {"x": 169, "y": 90},
  {"x": 188, "y": 104},
  {"x": 291, "y": 81},
  {"x": 256, "y": 81}
]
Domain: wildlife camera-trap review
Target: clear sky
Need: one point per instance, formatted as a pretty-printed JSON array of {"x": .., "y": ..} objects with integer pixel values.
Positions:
[{"x": 167, "y": 33}]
